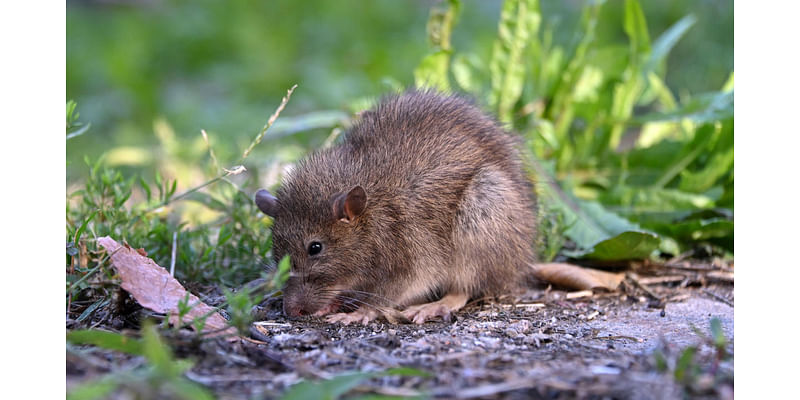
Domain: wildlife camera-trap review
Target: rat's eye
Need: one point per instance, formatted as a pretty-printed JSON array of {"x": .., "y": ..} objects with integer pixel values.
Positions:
[{"x": 314, "y": 248}]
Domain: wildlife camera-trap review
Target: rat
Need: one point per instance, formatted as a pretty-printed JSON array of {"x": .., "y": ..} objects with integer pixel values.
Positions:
[{"x": 423, "y": 205}]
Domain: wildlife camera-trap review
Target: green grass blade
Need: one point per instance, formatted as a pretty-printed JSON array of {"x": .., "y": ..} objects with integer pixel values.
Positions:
[
  {"x": 106, "y": 340},
  {"x": 664, "y": 44}
]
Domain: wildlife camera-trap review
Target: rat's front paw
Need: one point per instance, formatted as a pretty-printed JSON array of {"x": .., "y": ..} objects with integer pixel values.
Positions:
[
  {"x": 361, "y": 315},
  {"x": 441, "y": 308},
  {"x": 424, "y": 312}
]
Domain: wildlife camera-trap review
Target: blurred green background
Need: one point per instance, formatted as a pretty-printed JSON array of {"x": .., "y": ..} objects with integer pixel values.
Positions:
[{"x": 223, "y": 66}]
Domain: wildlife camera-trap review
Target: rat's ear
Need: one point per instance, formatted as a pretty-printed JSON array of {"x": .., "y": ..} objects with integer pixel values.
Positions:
[
  {"x": 266, "y": 202},
  {"x": 348, "y": 206}
]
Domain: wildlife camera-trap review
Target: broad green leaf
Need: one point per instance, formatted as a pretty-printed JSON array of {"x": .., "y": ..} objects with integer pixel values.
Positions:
[
  {"x": 519, "y": 24},
  {"x": 630, "y": 245},
  {"x": 106, "y": 340},
  {"x": 698, "y": 229},
  {"x": 588, "y": 221}
]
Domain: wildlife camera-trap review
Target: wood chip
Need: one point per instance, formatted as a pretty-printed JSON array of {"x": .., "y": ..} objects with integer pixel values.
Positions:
[
  {"x": 582, "y": 293},
  {"x": 575, "y": 277},
  {"x": 661, "y": 279}
]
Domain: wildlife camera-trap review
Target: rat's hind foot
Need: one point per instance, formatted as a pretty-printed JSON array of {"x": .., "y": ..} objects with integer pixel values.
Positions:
[
  {"x": 362, "y": 315},
  {"x": 440, "y": 308}
]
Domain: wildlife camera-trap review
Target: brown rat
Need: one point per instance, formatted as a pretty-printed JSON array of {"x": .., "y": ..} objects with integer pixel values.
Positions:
[{"x": 422, "y": 206}]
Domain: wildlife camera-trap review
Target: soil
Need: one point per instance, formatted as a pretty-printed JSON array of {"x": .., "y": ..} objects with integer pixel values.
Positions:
[{"x": 630, "y": 344}]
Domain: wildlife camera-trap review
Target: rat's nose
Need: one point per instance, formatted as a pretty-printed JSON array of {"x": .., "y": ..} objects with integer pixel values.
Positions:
[{"x": 295, "y": 310}]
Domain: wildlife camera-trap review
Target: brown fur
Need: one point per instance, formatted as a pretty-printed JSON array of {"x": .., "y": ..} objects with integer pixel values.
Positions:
[{"x": 448, "y": 210}]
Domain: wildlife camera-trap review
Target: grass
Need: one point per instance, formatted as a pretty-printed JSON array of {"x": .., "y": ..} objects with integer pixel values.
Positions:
[{"x": 626, "y": 169}]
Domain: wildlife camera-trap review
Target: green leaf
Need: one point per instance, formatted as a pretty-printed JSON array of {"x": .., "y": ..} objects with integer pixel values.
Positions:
[
  {"x": 588, "y": 85},
  {"x": 106, "y": 340},
  {"x": 432, "y": 71},
  {"x": 83, "y": 226},
  {"x": 519, "y": 24},
  {"x": 330, "y": 389},
  {"x": 77, "y": 130},
  {"x": 630, "y": 245},
  {"x": 701, "y": 109},
  {"x": 717, "y": 335},
  {"x": 719, "y": 164},
  {"x": 641, "y": 200},
  {"x": 89, "y": 310},
  {"x": 97, "y": 389},
  {"x": 636, "y": 28},
  {"x": 159, "y": 354},
  {"x": 467, "y": 71},
  {"x": 225, "y": 234},
  {"x": 702, "y": 137},
  {"x": 697, "y": 229},
  {"x": 684, "y": 367},
  {"x": 334, "y": 388},
  {"x": 664, "y": 44},
  {"x": 282, "y": 272},
  {"x": 190, "y": 390}
]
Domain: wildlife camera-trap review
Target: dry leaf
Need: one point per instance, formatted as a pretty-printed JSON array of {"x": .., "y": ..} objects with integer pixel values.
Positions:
[
  {"x": 154, "y": 288},
  {"x": 575, "y": 277}
]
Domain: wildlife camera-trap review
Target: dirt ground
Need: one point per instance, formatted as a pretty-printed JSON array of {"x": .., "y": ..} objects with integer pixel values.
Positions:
[{"x": 548, "y": 344}]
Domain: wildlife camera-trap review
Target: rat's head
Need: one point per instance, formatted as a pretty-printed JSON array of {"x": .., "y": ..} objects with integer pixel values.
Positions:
[{"x": 323, "y": 235}]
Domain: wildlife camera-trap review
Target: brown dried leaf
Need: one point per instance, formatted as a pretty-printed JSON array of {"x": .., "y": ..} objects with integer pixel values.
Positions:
[
  {"x": 575, "y": 277},
  {"x": 154, "y": 288}
]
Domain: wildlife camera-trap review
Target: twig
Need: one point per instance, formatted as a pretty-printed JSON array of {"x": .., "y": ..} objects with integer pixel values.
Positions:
[
  {"x": 635, "y": 279},
  {"x": 661, "y": 279},
  {"x": 270, "y": 121},
  {"x": 174, "y": 248},
  {"x": 721, "y": 276},
  {"x": 617, "y": 337},
  {"x": 210, "y": 150},
  {"x": 579, "y": 294},
  {"x": 718, "y": 297}
]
